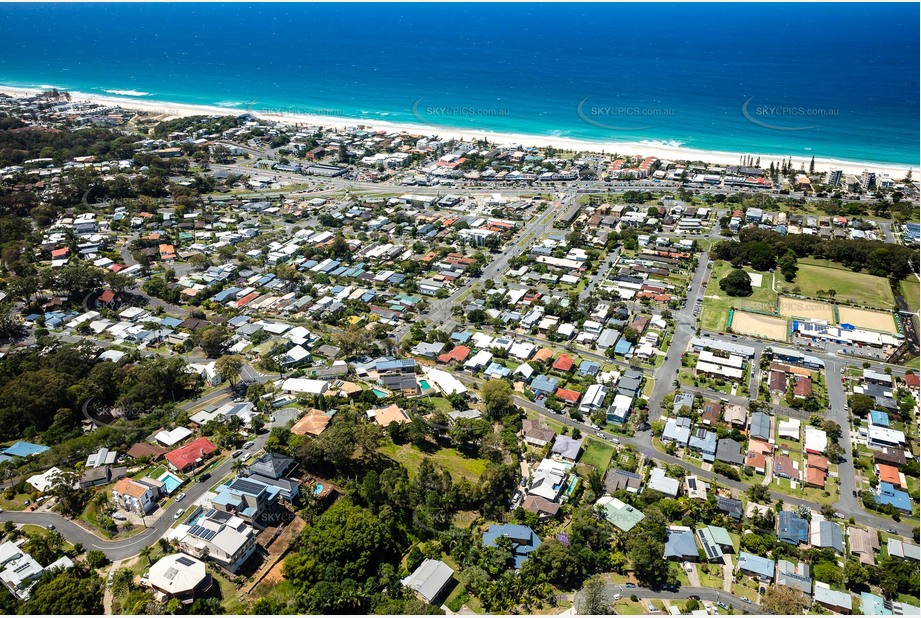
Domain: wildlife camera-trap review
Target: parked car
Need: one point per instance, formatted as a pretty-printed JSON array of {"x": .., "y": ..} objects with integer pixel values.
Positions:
[
  {"x": 178, "y": 513},
  {"x": 630, "y": 585},
  {"x": 51, "y": 526},
  {"x": 746, "y": 600},
  {"x": 204, "y": 477},
  {"x": 180, "y": 497},
  {"x": 236, "y": 453},
  {"x": 694, "y": 597}
]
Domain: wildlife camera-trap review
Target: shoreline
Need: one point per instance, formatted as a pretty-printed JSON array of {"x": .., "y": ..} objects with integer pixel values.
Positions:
[{"x": 659, "y": 150}]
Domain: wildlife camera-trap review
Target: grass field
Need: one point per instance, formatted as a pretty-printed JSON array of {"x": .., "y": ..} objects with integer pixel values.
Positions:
[
  {"x": 849, "y": 287},
  {"x": 715, "y": 311},
  {"x": 598, "y": 454},
  {"x": 911, "y": 291},
  {"x": 458, "y": 465}
]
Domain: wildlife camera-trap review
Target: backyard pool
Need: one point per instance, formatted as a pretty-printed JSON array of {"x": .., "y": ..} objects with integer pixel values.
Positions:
[
  {"x": 379, "y": 393},
  {"x": 424, "y": 384},
  {"x": 318, "y": 489},
  {"x": 171, "y": 481}
]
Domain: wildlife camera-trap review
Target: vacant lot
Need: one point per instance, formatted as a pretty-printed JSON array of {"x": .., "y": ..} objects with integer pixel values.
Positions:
[
  {"x": 757, "y": 325},
  {"x": 598, "y": 454},
  {"x": 849, "y": 287},
  {"x": 715, "y": 312},
  {"x": 459, "y": 466},
  {"x": 873, "y": 320},
  {"x": 808, "y": 309}
]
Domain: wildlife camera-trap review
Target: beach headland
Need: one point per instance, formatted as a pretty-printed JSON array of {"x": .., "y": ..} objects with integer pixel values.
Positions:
[{"x": 644, "y": 148}]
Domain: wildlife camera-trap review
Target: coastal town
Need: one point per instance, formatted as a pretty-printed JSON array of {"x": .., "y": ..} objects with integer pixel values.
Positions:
[{"x": 258, "y": 367}]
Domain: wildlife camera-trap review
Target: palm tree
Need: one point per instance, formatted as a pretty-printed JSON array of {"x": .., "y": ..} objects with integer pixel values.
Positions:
[{"x": 145, "y": 553}]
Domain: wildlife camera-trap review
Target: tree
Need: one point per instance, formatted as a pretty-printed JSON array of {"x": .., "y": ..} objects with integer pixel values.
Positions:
[
  {"x": 97, "y": 559},
  {"x": 646, "y": 557},
  {"x": 228, "y": 367},
  {"x": 783, "y": 600},
  {"x": 65, "y": 487},
  {"x": 497, "y": 395},
  {"x": 71, "y": 591},
  {"x": 594, "y": 600},
  {"x": 213, "y": 340},
  {"x": 737, "y": 283},
  {"x": 860, "y": 404}
]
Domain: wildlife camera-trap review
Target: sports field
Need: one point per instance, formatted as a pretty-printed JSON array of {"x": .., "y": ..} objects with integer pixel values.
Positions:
[
  {"x": 863, "y": 318},
  {"x": 757, "y": 325},
  {"x": 806, "y": 309},
  {"x": 714, "y": 313},
  {"x": 849, "y": 287}
]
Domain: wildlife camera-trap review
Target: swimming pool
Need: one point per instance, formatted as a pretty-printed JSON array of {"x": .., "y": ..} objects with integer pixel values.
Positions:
[
  {"x": 171, "y": 481},
  {"x": 424, "y": 384},
  {"x": 379, "y": 393},
  {"x": 318, "y": 489}
]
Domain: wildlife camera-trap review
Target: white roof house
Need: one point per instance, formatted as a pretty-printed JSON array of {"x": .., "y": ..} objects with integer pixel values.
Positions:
[
  {"x": 44, "y": 481},
  {"x": 661, "y": 483},
  {"x": 815, "y": 441},
  {"x": 445, "y": 382},
  {"x": 169, "y": 438},
  {"x": 176, "y": 575},
  {"x": 429, "y": 580},
  {"x": 789, "y": 429},
  {"x": 305, "y": 385}
]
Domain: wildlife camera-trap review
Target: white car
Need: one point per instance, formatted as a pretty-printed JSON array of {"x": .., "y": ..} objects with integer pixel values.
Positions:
[
  {"x": 178, "y": 513},
  {"x": 180, "y": 497}
]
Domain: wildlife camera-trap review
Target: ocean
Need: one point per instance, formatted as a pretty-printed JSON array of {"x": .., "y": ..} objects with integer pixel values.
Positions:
[{"x": 836, "y": 81}]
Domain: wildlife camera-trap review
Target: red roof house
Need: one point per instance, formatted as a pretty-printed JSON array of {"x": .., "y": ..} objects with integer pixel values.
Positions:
[
  {"x": 567, "y": 395},
  {"x": 192, "y": 453},
  {"x": 563, "y": 363},
  {"x": 458, "y": 354}
]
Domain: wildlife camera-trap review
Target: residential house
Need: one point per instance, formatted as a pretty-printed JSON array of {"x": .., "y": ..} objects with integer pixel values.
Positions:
[
  {"x": 191, "y": 455},
  {"x": 663, "y": 484},
  {"x": 794, "y": 575},
  {"x": 136, "y": 496},
  {"x": 681, "y": 544},
  {"x": 430, "y": 581},
  {"x": 756, "y": 566},
  {"x": 791, "y": 528},
  {"x": 220, "y": 536},
  {"x": 178, "y": 576},
  {"x": 616, "y": 480},
  {"x": 524, "y": 540},
  {"x": 536, "y": 434},
  {"x": 568, "y": 449},
  {"x": 623, "y": 516},
  {"x": 863, "y": 544},
  {"x": 834, "y": 600}
]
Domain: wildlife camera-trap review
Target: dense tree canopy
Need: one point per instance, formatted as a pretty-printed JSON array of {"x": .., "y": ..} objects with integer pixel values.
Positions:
[{"x": 737, "y": 283}]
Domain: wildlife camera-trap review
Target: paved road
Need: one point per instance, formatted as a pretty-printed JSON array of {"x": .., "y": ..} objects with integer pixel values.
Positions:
[
  {"x": 602, "y": 272},
  {"x": 705, "y": 594},
  {"x": 685, "y": 327}
]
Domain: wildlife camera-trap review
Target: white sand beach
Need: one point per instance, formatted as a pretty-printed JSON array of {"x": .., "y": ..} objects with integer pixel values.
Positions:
[{"x": 660, "y": 150}]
